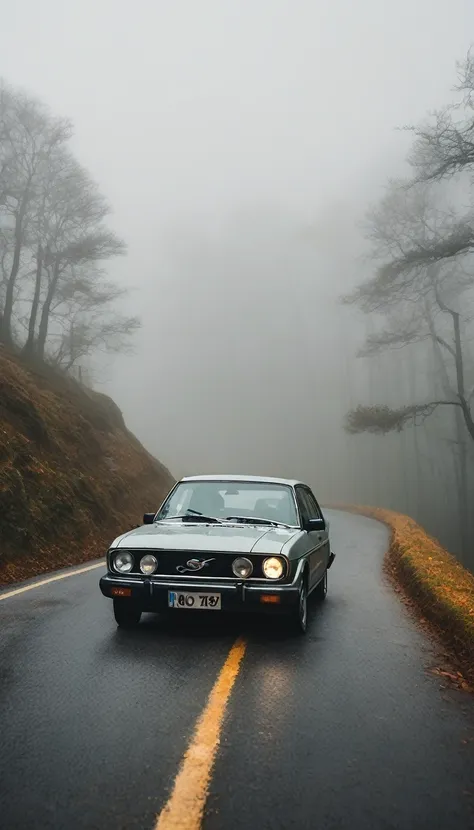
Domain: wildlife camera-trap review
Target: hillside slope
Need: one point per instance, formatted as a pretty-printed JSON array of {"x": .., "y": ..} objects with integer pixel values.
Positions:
[{"x": 71, "y": 475}]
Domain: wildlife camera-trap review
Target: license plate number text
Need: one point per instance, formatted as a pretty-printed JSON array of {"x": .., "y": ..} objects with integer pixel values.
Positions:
[{"x": 201, "y": 601}]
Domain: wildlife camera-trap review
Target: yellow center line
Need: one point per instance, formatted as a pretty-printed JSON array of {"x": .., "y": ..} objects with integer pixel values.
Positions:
[
  {"x": 185, "y": 806},
  {"x": 25, "y": 588}
]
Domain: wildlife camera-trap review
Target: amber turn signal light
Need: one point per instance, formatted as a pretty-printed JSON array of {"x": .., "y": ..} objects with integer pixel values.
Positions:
[
  {"x": 121, "y": 592},
  {"x": 270, "y": 598}
]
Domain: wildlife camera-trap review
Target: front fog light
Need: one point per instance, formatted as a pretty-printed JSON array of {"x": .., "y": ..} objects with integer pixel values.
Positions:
[
  {"x": 273, "y": 568},
  {"x": 148, "y": 564},
  {"x": 123, "y": 562},
  {"x": 242, "y": 567}
]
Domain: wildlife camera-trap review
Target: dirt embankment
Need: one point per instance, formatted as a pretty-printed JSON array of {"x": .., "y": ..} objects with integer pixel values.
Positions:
[{"x": 72, "y": 477}]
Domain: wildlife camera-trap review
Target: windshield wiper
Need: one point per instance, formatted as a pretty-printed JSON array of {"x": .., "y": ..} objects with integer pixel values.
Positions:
[
  {"x": 195, "y": 517},
  {"x": 200, "y": 518},
  {"x": 253, "y": 520}
]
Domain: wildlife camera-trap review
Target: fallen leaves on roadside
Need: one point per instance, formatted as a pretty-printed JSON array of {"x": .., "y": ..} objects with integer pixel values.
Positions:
[
  {"x": 456, "y": 678},
  {"x": 434, "y": 584}
]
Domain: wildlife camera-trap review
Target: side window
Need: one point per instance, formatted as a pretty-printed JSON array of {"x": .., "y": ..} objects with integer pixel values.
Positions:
[
  {"x": 314, "y": 511},
  {"x": 302, "y": 504}
]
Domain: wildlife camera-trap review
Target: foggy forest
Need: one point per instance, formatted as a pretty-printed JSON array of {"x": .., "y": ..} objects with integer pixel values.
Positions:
[{"x": 263, "y": 289}]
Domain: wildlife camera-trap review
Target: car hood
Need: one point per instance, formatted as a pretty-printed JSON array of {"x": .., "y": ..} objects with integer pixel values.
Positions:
[{"x": 204, "y": 538}]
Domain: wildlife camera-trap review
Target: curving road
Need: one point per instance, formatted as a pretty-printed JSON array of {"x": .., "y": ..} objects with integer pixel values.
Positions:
[{"x": 341, "y": 729}]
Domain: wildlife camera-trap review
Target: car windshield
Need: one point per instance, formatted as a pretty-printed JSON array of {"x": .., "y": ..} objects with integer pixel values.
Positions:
[{"x": 239, "y": 500}]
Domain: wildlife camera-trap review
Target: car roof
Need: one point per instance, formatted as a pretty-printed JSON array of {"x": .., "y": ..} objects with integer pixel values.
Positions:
[{"x": 260, "y": 479}]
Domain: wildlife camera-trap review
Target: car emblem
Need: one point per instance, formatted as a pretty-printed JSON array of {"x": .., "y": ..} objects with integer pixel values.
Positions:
[{"x": 193, "y": 565}]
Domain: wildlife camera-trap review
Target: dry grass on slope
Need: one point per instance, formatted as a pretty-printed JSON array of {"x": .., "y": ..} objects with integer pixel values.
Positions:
[
  {"x": 442, "y": 589},
  {"x": 71, "y": 475}
]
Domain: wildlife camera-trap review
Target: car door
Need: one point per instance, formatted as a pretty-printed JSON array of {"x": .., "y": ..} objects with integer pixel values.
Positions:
[
  {"x": 319, "y": 539},
  {"x": 311, "y": 540}
]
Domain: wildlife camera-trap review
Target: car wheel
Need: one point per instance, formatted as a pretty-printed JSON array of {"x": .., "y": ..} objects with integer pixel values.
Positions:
[
  {"x": 126, "y": 614},
  {"x": 300, "y": 615},
  {"x": 322, "y": 588}
]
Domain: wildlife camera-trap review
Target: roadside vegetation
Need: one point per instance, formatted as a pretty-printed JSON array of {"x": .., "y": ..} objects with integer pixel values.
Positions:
[
  {"x": 72, "y": 477},
  {"x": 418, "y": 296},
  {"x": 441, "y": 588}
]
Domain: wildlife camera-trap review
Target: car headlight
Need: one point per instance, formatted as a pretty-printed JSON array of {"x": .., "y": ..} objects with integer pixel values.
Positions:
[
  {"x": 123, "y": 562},
  {"x": 273, "y": 568},
  {"x": 148, "y": 564},
  {"x": 242, "y": 567}
]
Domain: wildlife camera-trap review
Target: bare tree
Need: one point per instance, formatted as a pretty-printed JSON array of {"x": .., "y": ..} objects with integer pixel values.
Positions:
[
  {"x": 444, "y": 145},
  {"x": 84, "y": 319},
  {"x": 413, "y": 287},
  {"x": 29, "y": 135},
  {"x": 108, "y": 335},
  {"x": 53, "y": 237},
  {"x": 418, "y": 300},
  {"x": 86, "y": 250}
]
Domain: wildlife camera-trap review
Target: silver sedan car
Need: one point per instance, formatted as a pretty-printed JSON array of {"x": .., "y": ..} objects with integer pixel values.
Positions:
[{"x": 223, "y": 543}]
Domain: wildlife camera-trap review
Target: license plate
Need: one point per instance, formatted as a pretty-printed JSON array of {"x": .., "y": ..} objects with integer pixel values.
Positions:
[{"x": 201, "y": 602}]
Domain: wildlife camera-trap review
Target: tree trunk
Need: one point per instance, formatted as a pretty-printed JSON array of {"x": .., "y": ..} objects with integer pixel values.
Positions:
[
  {"x": 459, "y": 362},
  {"x": 466, "y": 412},
  {"x": 461, "y": 450},
  {"x": 6, "y": 321},
  {"x": 45, "y": 312},
  {"x": 376, "y": 468},
  {"x": 411, "y": 366},
  {"x": 30, "y": 343},
  {"x": 460, "y": 375},
  {"x": 463, "y": 487}
]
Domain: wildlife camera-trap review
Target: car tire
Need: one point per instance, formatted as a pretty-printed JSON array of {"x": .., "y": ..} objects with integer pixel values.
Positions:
[
  {"x": 300, "y": 614},
  {"x": 126, "y": 614},
  {"x": 321, "y": 589}
]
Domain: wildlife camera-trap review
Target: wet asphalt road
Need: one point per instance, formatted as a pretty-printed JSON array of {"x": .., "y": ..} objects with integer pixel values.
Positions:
[{"x": 343, "y": 728}]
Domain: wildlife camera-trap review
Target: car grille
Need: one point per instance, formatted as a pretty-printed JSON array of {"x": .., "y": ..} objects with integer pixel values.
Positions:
[{"x": 220, "y": 566}]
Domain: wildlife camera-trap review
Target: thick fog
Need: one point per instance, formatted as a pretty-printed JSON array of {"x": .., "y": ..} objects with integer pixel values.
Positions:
[{"x": 239, "y": 144}]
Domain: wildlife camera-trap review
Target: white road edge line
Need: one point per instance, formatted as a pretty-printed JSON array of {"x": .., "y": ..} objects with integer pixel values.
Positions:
[{"x": 17, "y": 591}]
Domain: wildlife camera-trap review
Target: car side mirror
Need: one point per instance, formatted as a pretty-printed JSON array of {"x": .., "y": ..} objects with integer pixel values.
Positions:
[
  {"x": 315, "y": 525},
  {"x": 148, "y": 518}
]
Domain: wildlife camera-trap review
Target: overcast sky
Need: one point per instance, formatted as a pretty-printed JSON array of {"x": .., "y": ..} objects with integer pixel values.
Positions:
[{"x": 238, "y": 143}]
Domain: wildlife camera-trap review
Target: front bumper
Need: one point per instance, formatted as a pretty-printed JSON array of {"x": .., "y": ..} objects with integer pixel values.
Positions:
[{"x": 152, "y": 594}]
